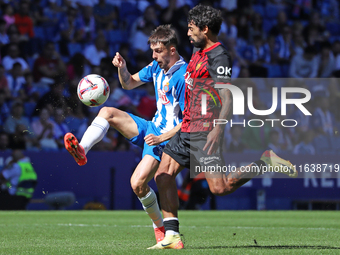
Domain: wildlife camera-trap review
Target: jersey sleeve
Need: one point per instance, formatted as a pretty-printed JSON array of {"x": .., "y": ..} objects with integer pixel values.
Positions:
[
  {"x": 146, "y": 74},
  {"x": 12, "y": 172},
  {"x": 180, "y": 91},
  {"x": 220, "y": 68}
]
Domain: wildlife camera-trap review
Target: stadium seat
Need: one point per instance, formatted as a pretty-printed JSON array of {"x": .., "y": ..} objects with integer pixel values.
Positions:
[
  {"x": 50, "y": 33},
  {"x": 332, "y": 39},
  {"x": 65, "y": 58},
  {"x": 274, "y": 71},
  {"x": 272, "y": 10},
  {"x": 268, "y": 24},
  {"x": 113, "y": 48},
  {"x": 285, "y": 70},
  {"x": 29, "y": 108},
  {"x": 136, "y": 94},
  {"x": 114, "y": 36},
  {"x": 260, "y": 84},
  {"x": 259, "y": 9},
  {"x": 266, "y": 98},
  {"x": 127, "y": 8},
  {"x": 242, "y": 49},
  {"x": 261, "y": 2},
  {"x": 74, "y": 48},
  {"x": 36, "y": 44},
  {"x": 74, "y": 123},
  {"x": 57, "y": 47},
  {"x": 335, "y": 144},
  {"x": 39, "y": 32},
  {"x": 30, "y": 62},
  {"x": 333, "y": 28},
  {"x": 322, "y": 144},
  {"x": 129, "y": 20}
]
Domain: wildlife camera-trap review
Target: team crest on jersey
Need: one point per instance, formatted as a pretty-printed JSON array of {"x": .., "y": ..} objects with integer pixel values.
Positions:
[
  {"x": 198, "y": 65},
  {"x": 166, "y": 87},
  {"x": 162, "y": 97}
]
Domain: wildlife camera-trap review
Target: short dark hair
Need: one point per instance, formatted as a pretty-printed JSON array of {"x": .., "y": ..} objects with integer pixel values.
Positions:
[
  {"x": 310, "y": 50},
  {"x": 16, "y": 64},
  {"x": 326, "y": 45},
  {"x": 164, "y": 34},
  {"x": 202, "y": 16},
  {"x": 257, "y": 38},
  {"x": 48, "y": 43}
]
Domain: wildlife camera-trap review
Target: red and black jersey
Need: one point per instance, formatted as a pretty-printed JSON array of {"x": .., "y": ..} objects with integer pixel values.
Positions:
[{"x": 206, "y": 67}]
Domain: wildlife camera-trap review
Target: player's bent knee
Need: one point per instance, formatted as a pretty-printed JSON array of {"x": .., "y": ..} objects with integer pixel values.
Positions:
[
  {"x": 138, "y": 186},
  {"x": 107, "y": 113},
  {"x": 162, "y": 178}
]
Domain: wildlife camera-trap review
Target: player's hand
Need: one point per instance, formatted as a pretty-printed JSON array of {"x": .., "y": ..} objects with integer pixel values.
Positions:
[
  {"x": 118, "y": 61},
  {"x": 213, "y": 141},
  {"x": 152, "y": 139}
]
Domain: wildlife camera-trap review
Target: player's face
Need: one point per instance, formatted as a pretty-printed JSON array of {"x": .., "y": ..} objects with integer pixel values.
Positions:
[
  {"x": 161, "y": 54},
  {"x": 196, "y": 36}
]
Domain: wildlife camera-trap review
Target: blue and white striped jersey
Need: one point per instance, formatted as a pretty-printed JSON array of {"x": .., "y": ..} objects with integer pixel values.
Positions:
[{"x": 169, "y": 91}]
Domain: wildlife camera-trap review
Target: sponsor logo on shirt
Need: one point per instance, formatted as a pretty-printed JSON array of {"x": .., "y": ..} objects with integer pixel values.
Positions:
[
  {"x": 188, "y": 80},
  {"x": 207, "y": 160},
  {"x": 223, "y": 72},
  {"x": 162, "y": 97}
]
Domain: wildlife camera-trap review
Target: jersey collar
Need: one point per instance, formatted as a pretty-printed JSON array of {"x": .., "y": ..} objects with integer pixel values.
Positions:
[
  {"x": 211, "y": 47},
  {"x": 175, "y": 67}
]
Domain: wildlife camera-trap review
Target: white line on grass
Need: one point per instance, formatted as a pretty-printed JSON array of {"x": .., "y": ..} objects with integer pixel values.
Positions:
[{"x": 149, "y": 226}]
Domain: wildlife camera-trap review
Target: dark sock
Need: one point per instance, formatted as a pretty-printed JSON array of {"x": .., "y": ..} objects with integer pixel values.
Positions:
[
  {"x": 260, "y": 164},
  {"x": 171, "y": 225}
]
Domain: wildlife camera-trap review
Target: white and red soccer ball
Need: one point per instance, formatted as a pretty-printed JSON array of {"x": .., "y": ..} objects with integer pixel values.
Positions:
[{"x": 93, "y": 90}]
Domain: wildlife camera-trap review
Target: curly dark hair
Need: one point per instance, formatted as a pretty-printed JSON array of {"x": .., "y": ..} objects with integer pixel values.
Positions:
[
  {"x": 164, "y": 34},
  {"x": 202, "y": 16}
]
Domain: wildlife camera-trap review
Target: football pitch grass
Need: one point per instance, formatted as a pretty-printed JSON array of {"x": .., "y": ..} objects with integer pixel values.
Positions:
[{"x": 205, "y": 232}]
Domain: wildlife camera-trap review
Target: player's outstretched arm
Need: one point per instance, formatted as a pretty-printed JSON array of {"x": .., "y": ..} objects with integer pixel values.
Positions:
[
  {"x": 214, "y": 137},
  {"x": 127, "y": 80},
  {"x": 152, "y": 139}
]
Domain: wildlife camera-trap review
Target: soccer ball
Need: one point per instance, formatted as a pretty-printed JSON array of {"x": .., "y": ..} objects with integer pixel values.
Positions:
[{"x": 93, "y": 90}]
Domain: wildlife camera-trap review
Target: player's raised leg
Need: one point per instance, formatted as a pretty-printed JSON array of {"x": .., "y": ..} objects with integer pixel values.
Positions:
[
  {"x": 107, "y": 116},
  {"x": 143, "y": 173},
  {"x": 165, "y": 178},
  {"x": 221, "y": 184}
]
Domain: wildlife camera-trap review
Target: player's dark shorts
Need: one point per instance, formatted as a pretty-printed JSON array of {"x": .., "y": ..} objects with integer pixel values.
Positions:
[{"x": 187, "y": 150}]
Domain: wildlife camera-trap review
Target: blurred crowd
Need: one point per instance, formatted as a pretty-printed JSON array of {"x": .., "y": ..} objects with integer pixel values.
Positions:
[{"x": 47, "y": 46}]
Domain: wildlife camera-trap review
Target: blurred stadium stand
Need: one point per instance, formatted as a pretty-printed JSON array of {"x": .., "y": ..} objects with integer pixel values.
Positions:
[{"x": 51, "y": 22}]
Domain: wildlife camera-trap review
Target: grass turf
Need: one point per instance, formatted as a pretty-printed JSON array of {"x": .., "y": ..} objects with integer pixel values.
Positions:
[{"x": 205, "y": 232}]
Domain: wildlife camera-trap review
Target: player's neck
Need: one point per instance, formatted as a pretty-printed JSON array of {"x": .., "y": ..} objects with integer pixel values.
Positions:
[
  {"x": 210, "y": 42},
  {"x": 172, "y": 62}
]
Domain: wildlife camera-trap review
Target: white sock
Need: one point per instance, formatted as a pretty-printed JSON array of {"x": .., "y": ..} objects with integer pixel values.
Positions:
[
  {"x": 94, "y": 133},
  {"x": 150, "y": 205}
]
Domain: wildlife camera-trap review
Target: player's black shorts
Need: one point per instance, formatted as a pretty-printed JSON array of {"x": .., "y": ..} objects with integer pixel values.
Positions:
[{"x": 187, "y": 150}]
